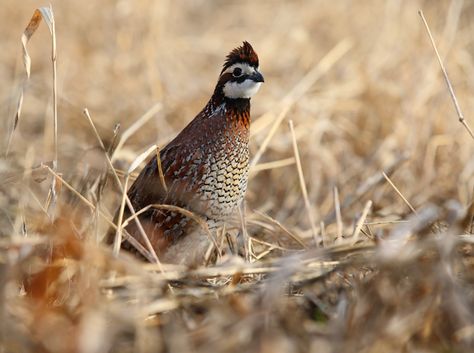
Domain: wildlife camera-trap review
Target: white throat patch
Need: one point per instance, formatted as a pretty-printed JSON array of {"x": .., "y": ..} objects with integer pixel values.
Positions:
[{"x": 244, "y": 89}]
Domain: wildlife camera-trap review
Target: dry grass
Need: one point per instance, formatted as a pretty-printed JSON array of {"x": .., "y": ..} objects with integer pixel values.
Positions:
[{"x": 376, "y": 167}]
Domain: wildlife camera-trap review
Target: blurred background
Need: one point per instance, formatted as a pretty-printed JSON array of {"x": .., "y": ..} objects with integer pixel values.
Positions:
[{"x": 359, "y": 80}]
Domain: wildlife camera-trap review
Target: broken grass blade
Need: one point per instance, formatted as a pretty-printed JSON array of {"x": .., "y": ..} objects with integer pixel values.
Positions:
[
  {"x": 140, "y": 158},
  {"x": 135, "y": 127},
  {"x": 39, "y": 14}
]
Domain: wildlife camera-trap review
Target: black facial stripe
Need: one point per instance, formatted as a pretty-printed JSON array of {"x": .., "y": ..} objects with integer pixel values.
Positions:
[{"x": 239, "y": 79}]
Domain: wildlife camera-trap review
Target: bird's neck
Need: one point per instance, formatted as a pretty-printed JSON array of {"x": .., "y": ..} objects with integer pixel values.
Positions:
[{"x": 237, "y": 109}]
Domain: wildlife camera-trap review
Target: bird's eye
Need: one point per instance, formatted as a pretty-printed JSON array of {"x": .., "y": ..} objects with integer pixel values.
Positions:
[{"x": 237, "y": 72}]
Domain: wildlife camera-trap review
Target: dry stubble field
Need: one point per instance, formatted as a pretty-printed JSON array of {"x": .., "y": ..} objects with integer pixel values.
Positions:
[{"x": 388, "y": 171}]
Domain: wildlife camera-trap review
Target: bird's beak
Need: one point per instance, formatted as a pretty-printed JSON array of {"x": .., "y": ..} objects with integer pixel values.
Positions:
[{"x": 257, "y": 77}]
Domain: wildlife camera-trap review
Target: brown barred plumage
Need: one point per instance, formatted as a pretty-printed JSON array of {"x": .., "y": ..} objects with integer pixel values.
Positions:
[{"x": 205, "y": 168}]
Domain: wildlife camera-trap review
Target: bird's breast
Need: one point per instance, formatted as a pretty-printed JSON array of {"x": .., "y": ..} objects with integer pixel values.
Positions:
[{"x": 225, "y": 176}]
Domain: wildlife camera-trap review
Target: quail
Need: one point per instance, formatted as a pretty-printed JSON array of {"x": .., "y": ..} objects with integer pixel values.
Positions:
[{"x": 205, "y": 169}]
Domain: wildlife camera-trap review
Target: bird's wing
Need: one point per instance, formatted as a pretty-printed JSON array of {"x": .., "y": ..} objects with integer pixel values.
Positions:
[
  {"x": 163, "y": 227},
  {"x": 183, "y": 163}
]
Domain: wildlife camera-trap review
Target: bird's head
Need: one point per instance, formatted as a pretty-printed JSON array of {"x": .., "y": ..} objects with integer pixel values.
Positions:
[{"x": 240, "y": 77}]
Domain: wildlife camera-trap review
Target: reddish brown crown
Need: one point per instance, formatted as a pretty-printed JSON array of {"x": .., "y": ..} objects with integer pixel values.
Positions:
[{"x": 242, "y": 54}]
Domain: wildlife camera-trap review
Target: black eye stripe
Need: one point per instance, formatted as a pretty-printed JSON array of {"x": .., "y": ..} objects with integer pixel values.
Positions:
[{"x": 240, "y": 79}]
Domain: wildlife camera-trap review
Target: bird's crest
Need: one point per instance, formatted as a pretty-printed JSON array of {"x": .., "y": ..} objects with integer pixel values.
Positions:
[{"x": 242, "y": 54}]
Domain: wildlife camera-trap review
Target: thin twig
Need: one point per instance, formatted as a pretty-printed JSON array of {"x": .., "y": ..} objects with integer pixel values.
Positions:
[
  {"x": 51, "y": 206},
  {"x": 160, "y": 169},
  {"x": 115, "y": 136},
  {"x": 295, "y": 237},
  {"x": 302, "y": 183},
  {"x": 272, "y": 165},
  {"x": 377, "y": 223},
  {"x": 135, "y": 127},
  {"x": 360, "y": 222},
  {"x": 245, "y": 234},
  {"x": 118, "y": 233},
  {"x": 337, "y": 209},
  {"x": 446, "y": 78},
  {"x": 55, "y": 89},
  {"x": 399, "y": 193},
  {"x": 323, "y": 233},
  {"x": 119, "y": 184},
  {"x": 19, "y": 223}
]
